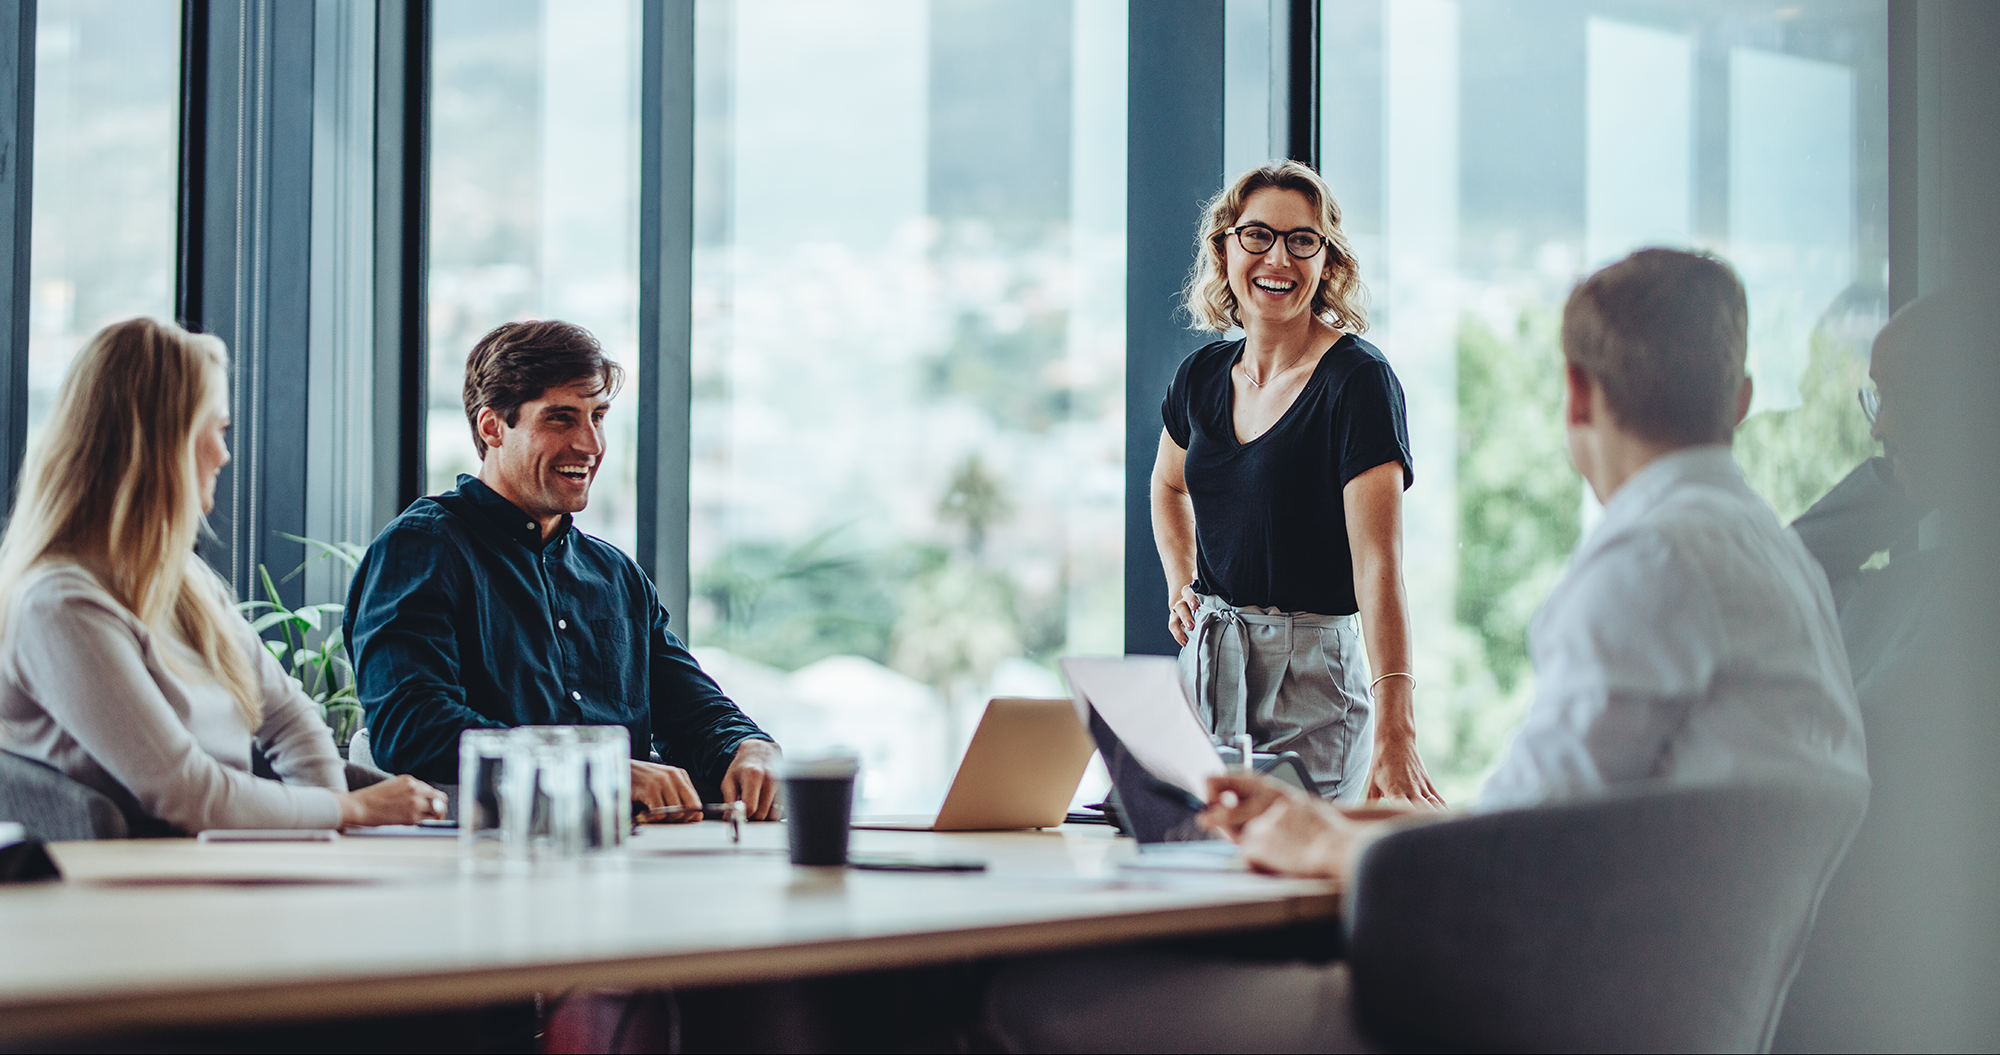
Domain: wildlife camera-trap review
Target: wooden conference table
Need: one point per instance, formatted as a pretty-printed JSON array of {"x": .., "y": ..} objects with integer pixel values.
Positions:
[{"x": 171, "y": 933}]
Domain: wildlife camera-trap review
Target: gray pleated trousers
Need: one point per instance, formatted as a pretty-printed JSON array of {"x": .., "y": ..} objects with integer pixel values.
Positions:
[{"x": 1294, "y": 681}]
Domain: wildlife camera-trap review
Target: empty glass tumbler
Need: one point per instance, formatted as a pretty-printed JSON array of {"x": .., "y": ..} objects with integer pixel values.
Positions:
[
  {"x": 607, "y": 788},
  {"x": 484, "y": 757},
  {"x": 544, "y": 794}
]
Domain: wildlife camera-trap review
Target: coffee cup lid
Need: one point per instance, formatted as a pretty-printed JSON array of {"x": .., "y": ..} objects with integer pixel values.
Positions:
[{"x": 824, "y": 767}]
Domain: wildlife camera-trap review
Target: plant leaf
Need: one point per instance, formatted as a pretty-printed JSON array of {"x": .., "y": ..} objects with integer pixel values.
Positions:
[{"x": 270, "y": 619}]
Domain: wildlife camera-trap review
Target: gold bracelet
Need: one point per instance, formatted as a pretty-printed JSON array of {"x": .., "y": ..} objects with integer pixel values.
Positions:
[{"x": 1394, "y": 674}]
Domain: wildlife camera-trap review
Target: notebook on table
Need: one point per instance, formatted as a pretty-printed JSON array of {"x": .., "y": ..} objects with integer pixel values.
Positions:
[{"x": 1021, "y": 769}]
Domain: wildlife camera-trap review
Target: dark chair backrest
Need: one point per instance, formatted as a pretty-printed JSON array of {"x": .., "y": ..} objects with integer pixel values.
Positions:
[
  {"x": 52, "y": 806},
  {"x": 1665, "y": 920},
  {"x": 56, "y": 808}
]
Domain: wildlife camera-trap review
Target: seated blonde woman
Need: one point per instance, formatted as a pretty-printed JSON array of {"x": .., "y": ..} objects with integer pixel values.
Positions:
[{"x": 122, "y": 661}]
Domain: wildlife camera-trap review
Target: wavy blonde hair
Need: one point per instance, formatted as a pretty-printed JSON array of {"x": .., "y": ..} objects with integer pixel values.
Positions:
[
  {"x": 1207, "y": 298},
  {"x": 112, "y": 484}
]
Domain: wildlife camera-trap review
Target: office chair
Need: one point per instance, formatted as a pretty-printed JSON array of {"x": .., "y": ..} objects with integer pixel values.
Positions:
[
  {"x": 56, "y": 808},
  {"x": 1665, "y": 920},
  {"x": 53, "y": 807}
]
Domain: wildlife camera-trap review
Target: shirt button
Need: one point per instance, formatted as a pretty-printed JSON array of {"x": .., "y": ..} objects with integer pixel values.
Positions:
[
  {"x": 562, "y": 624},
  {"x": 531, "y": 525},
  {"x": 576, "y": 696}
]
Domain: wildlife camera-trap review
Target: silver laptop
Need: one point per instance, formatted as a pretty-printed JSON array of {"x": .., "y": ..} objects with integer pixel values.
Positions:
[{"x": 1020, "y": 771}]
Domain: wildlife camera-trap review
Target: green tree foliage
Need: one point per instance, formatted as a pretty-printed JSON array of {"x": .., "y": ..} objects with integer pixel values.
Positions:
[
  {"x": 1519, "y": 514},
  {"x": 976, "y": 499},
  {"x": 790, "y": 605},
  {"x": 1792, "y": 457},
  {"x": 1519, "y": 500}
]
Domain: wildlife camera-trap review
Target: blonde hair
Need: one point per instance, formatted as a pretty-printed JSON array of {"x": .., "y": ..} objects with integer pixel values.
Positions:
[
  {"x": 1207, "y": 297},
  {"x": 112, "y": 484}
]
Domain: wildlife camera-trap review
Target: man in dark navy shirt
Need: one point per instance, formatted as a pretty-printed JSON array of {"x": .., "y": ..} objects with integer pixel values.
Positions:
[{"x": 484, "y": 607}]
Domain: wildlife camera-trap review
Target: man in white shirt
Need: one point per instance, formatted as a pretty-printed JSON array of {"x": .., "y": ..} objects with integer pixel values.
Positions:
[{"x": 1692, "y": 641}]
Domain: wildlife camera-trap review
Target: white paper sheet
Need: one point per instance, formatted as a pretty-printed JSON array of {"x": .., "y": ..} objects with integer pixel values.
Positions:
[{"x": 1141, "y": 699}]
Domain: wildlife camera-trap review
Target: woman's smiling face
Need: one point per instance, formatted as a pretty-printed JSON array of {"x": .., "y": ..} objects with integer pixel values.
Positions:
[{"x": 1272, "y": 288}]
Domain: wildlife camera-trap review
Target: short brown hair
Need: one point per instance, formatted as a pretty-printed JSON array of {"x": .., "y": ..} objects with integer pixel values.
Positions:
[
  {"x": 518, "y": 361},
  {"x": 1207, "y": 297},
  {"x": 1664, "y": 332}
]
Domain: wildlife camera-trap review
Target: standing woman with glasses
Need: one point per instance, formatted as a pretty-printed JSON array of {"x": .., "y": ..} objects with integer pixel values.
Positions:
[{"x": 1278, "y": 497}]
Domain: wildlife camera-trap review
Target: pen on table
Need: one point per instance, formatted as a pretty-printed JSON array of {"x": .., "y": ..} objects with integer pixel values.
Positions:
[{"x": 733, "y": 812}]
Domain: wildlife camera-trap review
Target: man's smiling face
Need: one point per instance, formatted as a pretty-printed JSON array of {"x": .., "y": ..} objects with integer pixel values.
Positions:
[{"x": 545, "y": 461}]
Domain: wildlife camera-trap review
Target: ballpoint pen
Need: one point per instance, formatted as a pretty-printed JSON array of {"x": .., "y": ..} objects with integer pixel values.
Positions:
[{"x": 733, "y": 812}]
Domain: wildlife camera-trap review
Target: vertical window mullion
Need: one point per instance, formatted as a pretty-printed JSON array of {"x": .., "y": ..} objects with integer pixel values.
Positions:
[
  {"x": 666, "y": 245},
  {"x": 17, "y": 120}
]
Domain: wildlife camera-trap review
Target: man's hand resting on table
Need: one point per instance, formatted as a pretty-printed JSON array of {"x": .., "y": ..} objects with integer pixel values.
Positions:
[
  {"x": 752, "y": 779},
  {"x": 655, "y": 785}
]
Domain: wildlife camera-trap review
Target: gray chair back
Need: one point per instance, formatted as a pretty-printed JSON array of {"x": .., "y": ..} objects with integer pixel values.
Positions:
[
  {"x": 1663, "y": 920},
  {"x": 53, "y": 807}
]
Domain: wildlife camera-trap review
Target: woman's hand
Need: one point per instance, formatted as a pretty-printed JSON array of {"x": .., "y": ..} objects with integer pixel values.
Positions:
[
  {"x": 1397, "y": 773},
  {"x": 1180, "y": 614},
  {"x": 398, "y": 800}
]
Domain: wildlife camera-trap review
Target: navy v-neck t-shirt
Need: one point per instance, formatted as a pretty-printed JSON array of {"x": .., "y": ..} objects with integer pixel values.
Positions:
[{"x": 1270, "y": 528}]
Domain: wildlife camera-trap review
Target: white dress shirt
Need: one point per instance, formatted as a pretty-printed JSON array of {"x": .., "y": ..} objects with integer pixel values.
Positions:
[{"x": 1692, "y": 640}]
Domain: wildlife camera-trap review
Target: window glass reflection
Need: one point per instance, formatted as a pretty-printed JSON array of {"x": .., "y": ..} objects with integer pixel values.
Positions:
[
  {"x": 1488, "y": 154},
  {"x": 534, "y": 209},
  {"x": 106, "y": 169},
  {"x": 907, "y": 476}
]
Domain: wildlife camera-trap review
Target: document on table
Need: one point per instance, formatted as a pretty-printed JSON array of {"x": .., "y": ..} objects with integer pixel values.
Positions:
[{"x": 1141, "y": 699}]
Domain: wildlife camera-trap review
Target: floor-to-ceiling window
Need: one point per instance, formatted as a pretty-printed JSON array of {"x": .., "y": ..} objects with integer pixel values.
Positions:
[
  {"x": 107, "y": 85},
  {"x": 534, "y": 208},
  {"x": 1489, "y": 153},
  {"x": 908, "y": 364}
]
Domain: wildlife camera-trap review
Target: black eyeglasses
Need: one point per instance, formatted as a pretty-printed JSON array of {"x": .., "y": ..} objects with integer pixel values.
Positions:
[{"x": 1301, "y": 244}]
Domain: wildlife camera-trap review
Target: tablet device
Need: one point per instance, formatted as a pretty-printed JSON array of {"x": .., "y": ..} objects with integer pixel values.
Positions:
[{"x": 1152, "y": 744}]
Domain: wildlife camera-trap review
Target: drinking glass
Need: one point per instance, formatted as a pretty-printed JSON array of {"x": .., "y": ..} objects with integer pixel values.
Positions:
[
  {"x": 607, "y": 789},
  {"x": 485, "y": 757},
  {"x": 544, "y": 817}
]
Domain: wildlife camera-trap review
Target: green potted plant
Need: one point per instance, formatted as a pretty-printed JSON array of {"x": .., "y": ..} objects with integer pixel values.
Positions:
[{"x": 311, "y": 644}]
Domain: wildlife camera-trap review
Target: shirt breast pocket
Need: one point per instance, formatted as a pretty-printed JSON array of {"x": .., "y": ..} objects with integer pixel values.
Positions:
[{"x": 612, "y": 664}]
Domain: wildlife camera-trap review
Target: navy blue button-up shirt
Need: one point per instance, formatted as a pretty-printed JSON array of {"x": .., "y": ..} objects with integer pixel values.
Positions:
[{"x": 461, "y": 617}]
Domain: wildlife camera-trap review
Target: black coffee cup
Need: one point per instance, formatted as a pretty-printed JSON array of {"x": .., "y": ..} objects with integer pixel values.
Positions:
[{"x": 819, "y": 803}]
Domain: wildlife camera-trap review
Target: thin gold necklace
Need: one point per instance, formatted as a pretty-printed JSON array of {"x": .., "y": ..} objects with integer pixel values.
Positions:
[{"x": 1254, "y": 383}]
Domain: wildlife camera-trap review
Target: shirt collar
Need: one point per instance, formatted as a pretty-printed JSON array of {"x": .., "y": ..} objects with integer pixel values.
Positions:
[
  {"x": 1644, "y": 489},
  {"x": 506, "y": 516}
]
